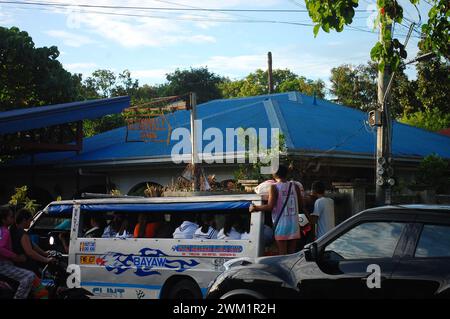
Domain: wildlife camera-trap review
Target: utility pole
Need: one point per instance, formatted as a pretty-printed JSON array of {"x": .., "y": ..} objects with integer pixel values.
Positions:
[
  {"x": 384, "y": 167},
  {"x": 384, "y": 137},
  {"x": 270, "y": 73},
  {"x": 194, "y": 155}
]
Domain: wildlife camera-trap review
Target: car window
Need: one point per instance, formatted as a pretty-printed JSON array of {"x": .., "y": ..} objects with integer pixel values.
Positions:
[
  {"x": 434, "y": 242},
  {"x": 368, "y": 240}
]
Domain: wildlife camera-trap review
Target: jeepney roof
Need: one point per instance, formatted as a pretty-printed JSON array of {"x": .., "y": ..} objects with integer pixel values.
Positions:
[{"x": 158, "y": 204}]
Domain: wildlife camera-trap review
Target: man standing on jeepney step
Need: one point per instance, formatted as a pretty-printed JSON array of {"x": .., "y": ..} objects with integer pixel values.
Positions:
[{"x": 285, "y": 203}]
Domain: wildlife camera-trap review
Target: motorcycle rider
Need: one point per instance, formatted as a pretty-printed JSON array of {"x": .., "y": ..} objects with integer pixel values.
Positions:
[
  {"x": 24, "y": 277},
  {"x": 21, "y": 243}
]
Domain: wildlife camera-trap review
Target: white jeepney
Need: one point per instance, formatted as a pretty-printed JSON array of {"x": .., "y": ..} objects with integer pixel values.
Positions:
[{"x": 148, "y": 268}]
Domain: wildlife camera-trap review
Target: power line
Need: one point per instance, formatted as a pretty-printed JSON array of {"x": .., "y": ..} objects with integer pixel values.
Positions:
[
  {"x": 87, "y": 9},
  {"x": 162, "y": 8},
  {"x": 206, "y": 19}
]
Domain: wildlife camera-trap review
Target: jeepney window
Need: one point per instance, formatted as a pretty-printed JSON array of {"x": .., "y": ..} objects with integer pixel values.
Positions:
[
  {"x": 49, "y": 222},
  {"x": 165, "y": 225}
]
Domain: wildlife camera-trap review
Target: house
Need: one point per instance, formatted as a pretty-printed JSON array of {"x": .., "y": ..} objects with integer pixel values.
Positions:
[{"x": 324, "y": 140}]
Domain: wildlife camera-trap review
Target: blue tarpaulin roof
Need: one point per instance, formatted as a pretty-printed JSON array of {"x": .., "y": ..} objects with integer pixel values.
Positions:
[
  {"x": 309, "y": 127},
  {"x": 44, "y": 116},
  {"x": 153, "y": 207}
]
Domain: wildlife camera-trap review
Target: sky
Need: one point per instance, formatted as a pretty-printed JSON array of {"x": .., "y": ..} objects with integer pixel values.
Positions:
[{"x": 152, "y": 42}]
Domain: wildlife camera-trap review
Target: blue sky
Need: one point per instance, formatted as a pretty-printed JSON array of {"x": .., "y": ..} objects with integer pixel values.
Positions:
[{"x": 151, "y": 47}]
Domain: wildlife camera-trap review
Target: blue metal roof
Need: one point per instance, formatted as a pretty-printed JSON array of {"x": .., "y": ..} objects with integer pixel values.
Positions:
[
  {"x": 45, "y": 116},
  {"x": 311, "y": 128}
]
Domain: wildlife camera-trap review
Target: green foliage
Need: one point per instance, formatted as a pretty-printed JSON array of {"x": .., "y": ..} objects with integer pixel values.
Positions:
[
  {"x": 331, "y": 14},
  {"x": 256, "y": 83},
  {"x": 252, "y": 171},
  {"x": 21, "y": 200},
  {"x": 437, "y": 29},
  {"x": 31, "y": 76},
  {"x": 198, "y": 80},
  {"x": 433, "y": 171},
  {"x": 430, "y": 119},
  {"x": 388, "y": 52},
  {"x": 106, "y": 84},
  {"x": 433, "y": 83}
]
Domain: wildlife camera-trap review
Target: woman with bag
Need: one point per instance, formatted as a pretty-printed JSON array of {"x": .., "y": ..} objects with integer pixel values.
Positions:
[{"x": 285, "y": 202}]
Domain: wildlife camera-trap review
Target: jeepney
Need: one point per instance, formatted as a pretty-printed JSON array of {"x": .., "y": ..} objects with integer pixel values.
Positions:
[{"x": 149, "y": 268}]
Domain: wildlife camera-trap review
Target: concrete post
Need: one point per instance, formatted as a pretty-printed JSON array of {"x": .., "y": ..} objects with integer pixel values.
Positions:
[{"x": 356, "y": 192}]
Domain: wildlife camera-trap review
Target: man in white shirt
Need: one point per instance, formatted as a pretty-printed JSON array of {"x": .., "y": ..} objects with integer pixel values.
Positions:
[
  {"x": 322, "y": 219},
  {"x": 186, "y": 230}
]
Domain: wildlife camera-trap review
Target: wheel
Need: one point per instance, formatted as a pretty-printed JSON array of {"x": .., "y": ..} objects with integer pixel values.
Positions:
[{"x": 184, "y": 289}]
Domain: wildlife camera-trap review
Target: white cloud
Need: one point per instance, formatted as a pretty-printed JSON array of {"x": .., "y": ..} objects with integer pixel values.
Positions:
[
  {"x": 151, "y": 75},
  {"x": 308, "y": 65},
  {"x": 80, "y": 67},
  {"x": 70, "y": 39},
  {"x": 152, "y": 28}
]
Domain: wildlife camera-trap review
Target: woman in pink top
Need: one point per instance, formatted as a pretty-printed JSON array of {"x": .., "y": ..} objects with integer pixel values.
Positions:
[
  {"x": 285, "y": 206},
  {"x": 7, "y": 257}
]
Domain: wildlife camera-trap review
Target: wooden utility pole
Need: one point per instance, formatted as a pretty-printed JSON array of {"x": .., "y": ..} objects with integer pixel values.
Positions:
[
  {"x": 384, "y": 137},
  {"x": 270, "y": 73},
  {"x": 194, "y": 151}
]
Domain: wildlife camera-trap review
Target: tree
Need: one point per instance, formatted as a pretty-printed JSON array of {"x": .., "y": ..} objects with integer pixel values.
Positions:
[
  {"x": 433, "y": 83},
  {"x": 256, "y": 83},
  {"x": 431, "y": 119},
  {"x": 125, "y": 85},
  {"x": 198, "y": 80},
  {"x": 433, "y": 171},
  {"x": 101, "y": 84},
  {"x": 304, "y": 85},
  {"x": 356, "y": 86},
  {"x": 388, "y": 52},
  {"x": 31, "y": 76}
]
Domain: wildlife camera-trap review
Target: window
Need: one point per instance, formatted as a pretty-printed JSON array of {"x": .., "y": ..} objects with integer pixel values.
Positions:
[
  {"x": 434, "y": 242},
  {"x": 368, "y": 240},
  {"x": 46, "y": 222}
]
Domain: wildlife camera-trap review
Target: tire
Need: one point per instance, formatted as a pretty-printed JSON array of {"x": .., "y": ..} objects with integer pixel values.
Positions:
[{"x": 184, "y": 289}]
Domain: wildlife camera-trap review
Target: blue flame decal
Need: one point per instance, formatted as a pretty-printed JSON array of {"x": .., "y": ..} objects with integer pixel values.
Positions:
[{"x": 144, "y": 264}]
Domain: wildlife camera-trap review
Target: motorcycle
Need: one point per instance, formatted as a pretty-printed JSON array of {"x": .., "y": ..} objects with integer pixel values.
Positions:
[{"x": 55, "y": 276}]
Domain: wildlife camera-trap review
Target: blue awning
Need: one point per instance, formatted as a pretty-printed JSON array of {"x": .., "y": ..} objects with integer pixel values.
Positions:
[
  {"x": 44, "y": 116},
  {"x": 155, "y": 207}
]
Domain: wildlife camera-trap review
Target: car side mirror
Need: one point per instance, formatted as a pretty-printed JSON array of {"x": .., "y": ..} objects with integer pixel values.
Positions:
[{"x": 311, "y": 252}]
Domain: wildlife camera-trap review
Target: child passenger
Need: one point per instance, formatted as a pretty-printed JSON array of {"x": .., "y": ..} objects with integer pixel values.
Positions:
[{"x": 207, "y": 229}]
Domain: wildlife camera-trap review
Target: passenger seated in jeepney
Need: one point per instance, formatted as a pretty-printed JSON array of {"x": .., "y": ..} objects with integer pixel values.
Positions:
[
  {"x": 97, "y": 224},
  {"x": 207, "y": 230},
  {"x": 232, "y": 229},
  {"x": 187, "y": 229},
  {"x": 165, "y": 228},
  {"x": 119, "y": 227},
  {"x": 147, "y": 226}
]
